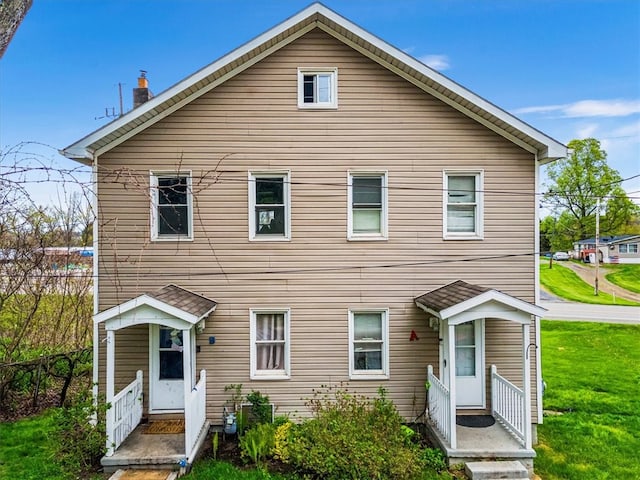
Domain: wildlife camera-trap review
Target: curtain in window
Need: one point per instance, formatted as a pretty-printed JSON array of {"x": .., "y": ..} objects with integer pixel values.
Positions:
[{"x": 270, "y": 341}]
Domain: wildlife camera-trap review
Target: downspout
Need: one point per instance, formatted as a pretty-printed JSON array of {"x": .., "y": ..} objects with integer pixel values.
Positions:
[{"x": 536, "y": 320}]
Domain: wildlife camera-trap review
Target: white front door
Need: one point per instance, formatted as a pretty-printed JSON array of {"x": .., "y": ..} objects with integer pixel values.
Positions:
[
  {"x": 166, "y": 376},
  {"x": 469, "y": 364}
]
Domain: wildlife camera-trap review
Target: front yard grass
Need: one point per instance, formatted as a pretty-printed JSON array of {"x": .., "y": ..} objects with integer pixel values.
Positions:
[
  {"x": 626, "y": 276},
  {"x": 565, "y": 283},
  {"x": 592, "y": 401},
  {"x": 26, "y": 451}
]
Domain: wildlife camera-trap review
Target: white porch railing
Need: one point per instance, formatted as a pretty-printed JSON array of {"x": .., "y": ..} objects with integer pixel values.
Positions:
[
  {"x": 195, "y": 415},
  {"x": 439, "y": 405},
  {"x": 125, "y": 414},
  {"x": 508, "y": 405}
]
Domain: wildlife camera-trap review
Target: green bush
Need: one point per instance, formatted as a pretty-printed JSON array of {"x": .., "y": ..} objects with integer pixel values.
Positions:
[
  {"x": 257, "y": 443},
  {"x": 80, "y": 442},
  {"x": 353, "y": 437}
]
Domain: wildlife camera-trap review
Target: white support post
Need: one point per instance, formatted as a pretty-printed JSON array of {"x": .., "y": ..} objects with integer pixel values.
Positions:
[
  {"x": 188, "y": 383},
  {"x": 526, "y": 387},
  {"x": 452, "y": 383},
  {"x": 111, "y": 358}
]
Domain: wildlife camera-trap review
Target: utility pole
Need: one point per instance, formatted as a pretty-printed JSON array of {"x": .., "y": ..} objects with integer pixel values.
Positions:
[{"x": 597, "y": 246}]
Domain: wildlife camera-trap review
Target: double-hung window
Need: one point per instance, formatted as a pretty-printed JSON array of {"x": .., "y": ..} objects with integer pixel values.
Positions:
[
  {"x": 628, "y": 248},
  {"x": 367, "y": 197},
  {"x": 171, "y": 206},
  {"x": 269, "y": 200},
  {"x": 270, "y": 344},
  {"x": 317, "y": 87},
  {"x": 368, "y": 344},
  {"x": 463, "y": 205}
]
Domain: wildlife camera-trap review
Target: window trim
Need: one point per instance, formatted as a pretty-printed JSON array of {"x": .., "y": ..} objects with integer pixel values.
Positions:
[
  {"x": 382, "y": 374},
  {"x": 478, "y": 234},
  {"x": 377, "y": 236},
  {"x": 286, "y": 176},
  {"x": 627, "y": 248},
  {"x": 283, "y": 374},
  {"x": 333, "y": 72},
  {"x": 154, "y": 176}
]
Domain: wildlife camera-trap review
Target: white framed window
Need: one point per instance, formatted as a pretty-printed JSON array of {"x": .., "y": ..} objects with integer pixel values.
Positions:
[
  {"x": 367, "y": 204},
  {"x": 463, "y": 205},
  {"x": 317, "y": 87},
  {"x": 270, "y": 344},
  {"x": 269, "y": 206},
  {"x": 171, "y": 206},
  {"x": 628, "y": 248},
  {"x": 369, "y": 344}
]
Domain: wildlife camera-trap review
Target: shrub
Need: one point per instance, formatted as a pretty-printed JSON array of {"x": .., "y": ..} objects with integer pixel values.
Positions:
[
  {"x": 260, "y": 410},
  {"x": 353, "y": 437},
  {"x": 281, "y": 441},
  {"x": 257, "y": 443},
  {"x": 80, "y": 442}
]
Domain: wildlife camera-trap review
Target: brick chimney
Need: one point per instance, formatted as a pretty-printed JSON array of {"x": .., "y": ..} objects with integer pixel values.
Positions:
[{"x": 142, "y": 94}]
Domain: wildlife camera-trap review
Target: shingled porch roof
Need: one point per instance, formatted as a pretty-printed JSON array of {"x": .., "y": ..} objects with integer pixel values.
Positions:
[
  {"x": 170, "y": 300},
  {"x": 459, "y": 302}
]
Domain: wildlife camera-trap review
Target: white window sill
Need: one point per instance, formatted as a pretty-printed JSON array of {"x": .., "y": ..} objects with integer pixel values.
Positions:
[
  {"x": 172, "y": 239},
  {"x": 317, "y": 106},
  {"x": 270, "y": 376},
  {"x": 266, "y": 238},
  {"x": 367, "y": 238},
  {"x": 463, "y": 237},
  {"x": 368, "y": 376}
]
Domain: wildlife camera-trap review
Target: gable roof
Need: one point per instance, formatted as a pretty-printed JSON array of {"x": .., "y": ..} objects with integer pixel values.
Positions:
[
  {"x": 172, "y": 300},
  {"x": 608, "y": 240},
  {"x": 87, "y": 149},
  {"x": 459, "y": 302}
]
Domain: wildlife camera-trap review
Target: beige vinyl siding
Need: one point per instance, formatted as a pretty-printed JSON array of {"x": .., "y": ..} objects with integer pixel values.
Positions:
[{"x": 252, "y": 123}]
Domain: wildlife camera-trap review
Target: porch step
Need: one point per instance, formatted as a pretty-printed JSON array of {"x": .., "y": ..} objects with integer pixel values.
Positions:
[
  {"x": 496, "y": 470},
  {"x": 130, "y": 474}
]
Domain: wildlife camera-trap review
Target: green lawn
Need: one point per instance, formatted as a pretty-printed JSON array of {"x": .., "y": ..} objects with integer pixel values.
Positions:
[
  {"x": 565, "y": 283},
  {"x": 592, "y": 373},
  {"x": 25, "y": 450},
  {"x": 626, "y": 276}
]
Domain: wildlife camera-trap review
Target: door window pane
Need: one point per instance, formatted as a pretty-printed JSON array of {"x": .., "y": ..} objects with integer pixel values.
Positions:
[
  {"x": 465, "y": 350},
  {"x": 170, "y": 350}
]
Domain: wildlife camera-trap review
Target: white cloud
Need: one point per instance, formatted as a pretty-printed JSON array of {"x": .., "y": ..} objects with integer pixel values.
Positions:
[
  {"x": 437, "y": 62},
  {"x": 588, "y": 108},
  {"x": 587, "y": 131}
]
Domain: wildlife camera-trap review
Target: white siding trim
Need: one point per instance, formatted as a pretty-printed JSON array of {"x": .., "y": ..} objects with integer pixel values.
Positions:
[
  {"x": 153, "y": 195},
  {"x": 362, "y": 374},
  {"x": 478, "y": 234},
  {"x": 384, "y": 220},
  {"x": 251, "y": 187},
  {"x": 256, "y": 374}
]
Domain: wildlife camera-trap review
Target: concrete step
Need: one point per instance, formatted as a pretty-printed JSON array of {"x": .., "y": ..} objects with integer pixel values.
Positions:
[{"x": 501, "y": 470}]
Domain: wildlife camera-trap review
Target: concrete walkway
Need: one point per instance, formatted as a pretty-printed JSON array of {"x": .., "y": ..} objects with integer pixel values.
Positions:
[{"x": 585, "y": 312}]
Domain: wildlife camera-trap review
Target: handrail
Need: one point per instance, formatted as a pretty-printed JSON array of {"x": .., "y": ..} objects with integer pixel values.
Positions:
[
  {"x": 124, "y": 414},
  {"x": 439, "y": 406},
  {"x": 195, "y": 415},
  {"x": 507, "y": 404}
]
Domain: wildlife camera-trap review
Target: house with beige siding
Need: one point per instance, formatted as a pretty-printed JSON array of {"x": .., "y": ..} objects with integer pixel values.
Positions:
[{"x": 316, "y": 208}]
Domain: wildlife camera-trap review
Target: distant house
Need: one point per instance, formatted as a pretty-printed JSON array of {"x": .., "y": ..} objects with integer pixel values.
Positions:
[
  {"x": 318, "y": 207},
  {"x": 612, "y": 249}
]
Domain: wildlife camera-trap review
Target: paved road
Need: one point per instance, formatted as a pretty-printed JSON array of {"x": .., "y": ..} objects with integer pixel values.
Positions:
[{"x": 584, "y": 312}]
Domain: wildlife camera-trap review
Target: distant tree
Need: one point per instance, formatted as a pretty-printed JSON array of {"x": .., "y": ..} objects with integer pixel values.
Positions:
[{"x": 575, "y": 186}]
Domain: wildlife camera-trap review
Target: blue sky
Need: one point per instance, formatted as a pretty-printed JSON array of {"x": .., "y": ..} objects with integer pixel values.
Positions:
[{"x": 570, "y": 68}]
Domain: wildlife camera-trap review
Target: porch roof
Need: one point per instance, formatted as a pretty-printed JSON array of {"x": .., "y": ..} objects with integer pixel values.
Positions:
[
  {"x": 460, "y": 302},
  {"x": 179, "y": 304}
]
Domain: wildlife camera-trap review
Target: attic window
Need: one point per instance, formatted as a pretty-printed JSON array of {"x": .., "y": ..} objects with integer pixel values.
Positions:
[{"x": 317, "y": 88}]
